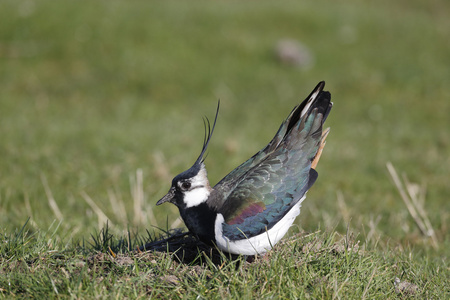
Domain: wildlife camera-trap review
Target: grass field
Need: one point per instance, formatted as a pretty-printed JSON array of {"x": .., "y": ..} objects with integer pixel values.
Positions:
[{"x": 101, "y": 104}]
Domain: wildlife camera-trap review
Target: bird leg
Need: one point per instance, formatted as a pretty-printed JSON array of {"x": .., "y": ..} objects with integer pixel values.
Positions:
[{"x": 321, "y": 146}]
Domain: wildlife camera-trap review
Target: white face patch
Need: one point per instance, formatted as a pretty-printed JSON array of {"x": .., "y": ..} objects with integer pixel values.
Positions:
[
  {"x": 196, "y": 196},
  {"x": 199, "y": 190}
]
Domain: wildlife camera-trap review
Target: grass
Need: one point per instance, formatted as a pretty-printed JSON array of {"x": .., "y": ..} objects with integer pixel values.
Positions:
[
  {"x": 316, "y": 265},
  {"x": 101, "y": 105}
]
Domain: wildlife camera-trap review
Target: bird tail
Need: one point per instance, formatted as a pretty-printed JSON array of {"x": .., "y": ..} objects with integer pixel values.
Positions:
[{"x": 318, "y": 104}]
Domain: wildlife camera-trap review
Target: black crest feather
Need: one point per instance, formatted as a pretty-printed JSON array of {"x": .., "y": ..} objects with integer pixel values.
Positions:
[{"x": 208, "y": 134}]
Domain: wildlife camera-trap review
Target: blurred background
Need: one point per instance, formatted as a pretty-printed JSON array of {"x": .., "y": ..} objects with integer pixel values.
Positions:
[{"x": 101, "y": 104}]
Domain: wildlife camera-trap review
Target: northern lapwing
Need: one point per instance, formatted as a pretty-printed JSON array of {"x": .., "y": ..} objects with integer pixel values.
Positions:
[{"x": 252, "y": 207}]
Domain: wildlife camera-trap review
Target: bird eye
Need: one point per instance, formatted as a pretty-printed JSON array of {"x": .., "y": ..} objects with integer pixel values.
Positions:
[{"x": 186, "y": 185}]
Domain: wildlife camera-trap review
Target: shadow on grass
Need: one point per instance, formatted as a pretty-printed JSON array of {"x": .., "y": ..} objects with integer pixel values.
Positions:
[
  {"x": 182, "y": 246},
  {"x": 187, "y": 249}
]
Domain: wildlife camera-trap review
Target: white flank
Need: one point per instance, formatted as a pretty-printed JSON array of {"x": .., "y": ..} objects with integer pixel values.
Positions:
[
  {"x": 258, "y": 244},
  {"x": 199, "y": 191}
]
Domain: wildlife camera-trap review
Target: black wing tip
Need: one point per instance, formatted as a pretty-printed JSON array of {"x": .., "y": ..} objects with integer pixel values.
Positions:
[
  {"x": 320, "y": 85},
  {"x": 322, "y": 99},
  {"x": 318, "y": 98},
  {"x": 316, "y": 94},
  {"x": 324, "y": 104},
  {"x": 318, "y": 89},
  {"x": 320, "y": 92}
]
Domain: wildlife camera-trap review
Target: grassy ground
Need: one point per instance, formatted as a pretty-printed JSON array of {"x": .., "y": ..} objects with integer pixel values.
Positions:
[{"x": 101, "y": 105}]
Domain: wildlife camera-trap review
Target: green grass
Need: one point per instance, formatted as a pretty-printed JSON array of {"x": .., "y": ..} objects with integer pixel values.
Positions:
[
  {"x": 101, "y": 105},
  {"x": 316, "y": 265}
]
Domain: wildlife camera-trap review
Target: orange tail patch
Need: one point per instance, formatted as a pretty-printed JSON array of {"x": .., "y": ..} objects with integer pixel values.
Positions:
[{"x": 321, "y": 146}]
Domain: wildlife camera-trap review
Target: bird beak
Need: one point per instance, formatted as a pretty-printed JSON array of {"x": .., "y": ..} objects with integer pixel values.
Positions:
[{"x": 169, "y": 197}]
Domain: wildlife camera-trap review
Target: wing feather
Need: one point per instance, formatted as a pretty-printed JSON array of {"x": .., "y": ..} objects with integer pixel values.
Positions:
[{"x": 257, "y": 194}]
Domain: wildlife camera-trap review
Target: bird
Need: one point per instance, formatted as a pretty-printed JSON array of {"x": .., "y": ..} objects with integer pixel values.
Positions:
[{"x": 252, "y": 208}]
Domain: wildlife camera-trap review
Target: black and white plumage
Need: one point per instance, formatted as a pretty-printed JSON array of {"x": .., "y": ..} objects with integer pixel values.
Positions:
[{"x": 252, "y": 207}]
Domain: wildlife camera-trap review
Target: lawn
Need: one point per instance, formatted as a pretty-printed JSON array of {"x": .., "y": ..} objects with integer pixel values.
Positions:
[{"x": 101, "y": 104}]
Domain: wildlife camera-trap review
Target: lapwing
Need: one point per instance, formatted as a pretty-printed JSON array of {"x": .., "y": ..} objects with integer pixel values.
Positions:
[{"x": 252, "y": 207}]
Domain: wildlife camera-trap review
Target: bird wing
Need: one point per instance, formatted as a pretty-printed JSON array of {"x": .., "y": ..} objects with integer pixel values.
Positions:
[
  {"x": 229, "y": 182},
  {"x": 264, "y": 188}
]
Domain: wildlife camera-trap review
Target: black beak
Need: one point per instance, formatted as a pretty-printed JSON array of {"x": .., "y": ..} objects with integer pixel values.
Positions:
[{"x": 169, "y": 197}]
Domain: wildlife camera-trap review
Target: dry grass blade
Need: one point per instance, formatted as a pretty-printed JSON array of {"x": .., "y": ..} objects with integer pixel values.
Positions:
[
  {"x": 29, "y": 211},
  {"x": 176, "y": 223},
  {"x": 118, "y": 207},
  {"x": 368, "y": 283},
  {"x": 141, "y": 213},
  {"x": 417, "y": 195},
  {"x": 343, "y": 208},
  {"x": 338, "y": 290},
  {"x": 373, "y": 227},
  {"x": 51, "y": 199},
  {"x": 138, "y": 197},
  {"x": 102, "y": 218},
  {"x": 412, "y": 202}
]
